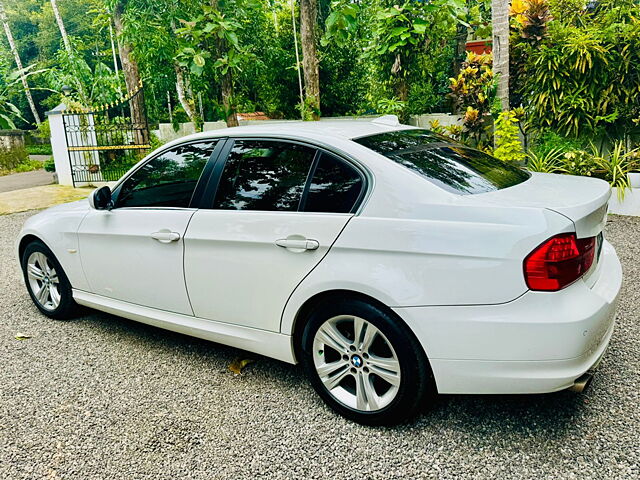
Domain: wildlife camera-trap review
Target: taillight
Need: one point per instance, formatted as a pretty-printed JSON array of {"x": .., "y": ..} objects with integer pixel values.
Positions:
[{"x": 559, "y": 261}]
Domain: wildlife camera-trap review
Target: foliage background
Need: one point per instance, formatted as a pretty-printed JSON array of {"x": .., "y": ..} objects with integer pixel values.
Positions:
[{"x": 356, "y": 75}]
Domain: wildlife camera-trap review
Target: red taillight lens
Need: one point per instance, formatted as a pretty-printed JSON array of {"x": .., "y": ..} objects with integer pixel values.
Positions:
[{"x": 559, "y": 261}]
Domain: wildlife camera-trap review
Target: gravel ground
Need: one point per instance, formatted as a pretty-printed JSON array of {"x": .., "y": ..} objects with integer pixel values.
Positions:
[{"x": 101, "y": 397}]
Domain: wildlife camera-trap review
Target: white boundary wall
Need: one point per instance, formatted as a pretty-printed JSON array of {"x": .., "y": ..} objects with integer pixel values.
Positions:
[{"x": 629, "y": 206}]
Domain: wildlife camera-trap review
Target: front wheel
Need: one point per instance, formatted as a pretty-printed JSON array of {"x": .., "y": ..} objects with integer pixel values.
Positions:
[
  {"x": 46, "y": 282},
  {"x": 365, "y": 363}
]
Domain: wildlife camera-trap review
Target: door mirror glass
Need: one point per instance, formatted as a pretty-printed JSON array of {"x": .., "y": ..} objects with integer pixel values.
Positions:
[{"x": 100, "y": 199}]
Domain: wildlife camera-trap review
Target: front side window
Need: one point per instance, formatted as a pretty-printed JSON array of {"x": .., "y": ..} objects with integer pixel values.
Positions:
[
  {"x": 451, "y": 166},
  {"x": 264, "y": 175},
  {"x": 169, "y": 179},
  {"x": 334, "y": 188}
]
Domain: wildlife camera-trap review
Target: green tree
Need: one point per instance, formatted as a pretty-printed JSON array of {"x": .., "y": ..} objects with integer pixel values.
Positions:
[
  {"x": 22, "y": 73},
  {"x": 406, "y": 35},
  {"x": 211, "y": 47}
]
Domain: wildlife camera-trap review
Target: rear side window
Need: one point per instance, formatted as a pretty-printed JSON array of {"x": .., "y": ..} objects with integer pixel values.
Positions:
[
  {"x": 264, "y": 175},
  {"x": 335, "y": 186},
  {"x": 392, "y": 142},
  {"x": 169, "y": 179},
  {"x": 453, "y": 167}
]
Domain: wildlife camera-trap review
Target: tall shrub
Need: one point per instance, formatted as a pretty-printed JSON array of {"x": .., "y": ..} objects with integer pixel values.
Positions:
[
  {"x": 473, "y": 93},
  {"x": 579, "y": 69}
]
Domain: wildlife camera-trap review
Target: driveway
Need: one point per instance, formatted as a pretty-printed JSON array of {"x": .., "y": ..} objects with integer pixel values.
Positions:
[
  {"x": 19, "y": 181},
  {"x": 100, "y": 397}
]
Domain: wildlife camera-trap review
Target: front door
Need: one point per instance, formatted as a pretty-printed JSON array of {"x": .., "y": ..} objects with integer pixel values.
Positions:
[
  {"x": 278, "y": 209},
  {"x": 134, "y": 253}
]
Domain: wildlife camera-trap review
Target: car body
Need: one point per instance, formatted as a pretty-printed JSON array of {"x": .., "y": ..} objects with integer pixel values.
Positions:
[{"x": 448, "y": 264}]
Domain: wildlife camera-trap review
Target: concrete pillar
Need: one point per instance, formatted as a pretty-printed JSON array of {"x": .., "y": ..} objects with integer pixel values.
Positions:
[{"x": 59, "y": 145}]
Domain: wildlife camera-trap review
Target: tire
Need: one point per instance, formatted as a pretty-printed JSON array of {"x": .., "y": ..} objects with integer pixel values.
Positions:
[
  {"x": 41, "y": 269},
  {"x": 383, "y": 379}
]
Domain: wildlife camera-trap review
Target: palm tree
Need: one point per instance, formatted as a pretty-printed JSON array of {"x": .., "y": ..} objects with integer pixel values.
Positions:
[
  {"x": 310, "y": 64},
  {"x": 63, "y": 31},
  {"x": 500, "y": 24},
  {"x": 131, "y": 71},
  {"x": 16, "y": 56},
  {"x": 67, "y": 44}
]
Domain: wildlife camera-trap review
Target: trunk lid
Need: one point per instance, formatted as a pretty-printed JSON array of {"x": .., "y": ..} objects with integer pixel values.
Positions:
[{"x": 583, "y": 200}]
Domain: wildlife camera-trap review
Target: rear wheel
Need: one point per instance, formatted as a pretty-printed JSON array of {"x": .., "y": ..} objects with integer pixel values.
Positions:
[
  {"x": 365, "y": 363},
  {"x": 46, "y": 282}
]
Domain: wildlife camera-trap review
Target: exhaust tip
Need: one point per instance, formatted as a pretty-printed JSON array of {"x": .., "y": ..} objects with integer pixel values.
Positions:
[{"x": 581, "y": 383}]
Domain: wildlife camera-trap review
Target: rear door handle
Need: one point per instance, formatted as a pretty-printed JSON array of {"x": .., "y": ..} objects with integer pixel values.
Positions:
[
  {"x": 298, "y": 244},
  {"x": 165, "y": 236}
]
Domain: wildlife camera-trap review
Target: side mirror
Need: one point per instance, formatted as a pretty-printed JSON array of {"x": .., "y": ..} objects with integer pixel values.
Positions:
[{"x": 100, "y": 199}]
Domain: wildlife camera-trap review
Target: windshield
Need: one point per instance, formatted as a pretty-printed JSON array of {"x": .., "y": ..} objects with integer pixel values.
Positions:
[{"x": 451, "y": 166}]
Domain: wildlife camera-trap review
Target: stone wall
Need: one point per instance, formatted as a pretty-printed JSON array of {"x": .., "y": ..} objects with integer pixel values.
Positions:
[{"x": 11, "y": 140}]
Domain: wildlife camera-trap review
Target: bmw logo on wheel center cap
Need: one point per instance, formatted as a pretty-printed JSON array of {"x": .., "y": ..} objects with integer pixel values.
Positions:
[{"x": 356, "y": 361}]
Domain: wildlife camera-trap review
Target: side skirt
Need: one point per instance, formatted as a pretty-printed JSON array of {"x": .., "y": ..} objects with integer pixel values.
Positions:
[{"x": 269, "y": 344}]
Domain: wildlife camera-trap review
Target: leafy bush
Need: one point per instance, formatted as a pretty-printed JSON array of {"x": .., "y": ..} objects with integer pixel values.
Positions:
[
  {"x": 579, "y": 162},
  {"x": 28, "y": 166},
  {"x": 576, "y": 69},
  {"x": 549, "y": 141},
  {"x": 50, "y": 165},
  {"x": 473, "y": 91},
  {"x": 612, "y": 167},
  {"x": 507, "y": 143},
  {"x": 39, "y": 149},
  {"x": 17, "y": 160},
  {"x": 155, "y": 141},
  {"x": 549, "y": 162},
  {"x": 454, "y": 131},
  {"x": 10, "y": 159},
  {"x": 615, "y": 167},
  {"x": 44, "y": 130}
]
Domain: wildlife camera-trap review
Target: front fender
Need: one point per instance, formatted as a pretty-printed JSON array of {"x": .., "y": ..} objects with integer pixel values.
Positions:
[{"x": 57, "y": 228}]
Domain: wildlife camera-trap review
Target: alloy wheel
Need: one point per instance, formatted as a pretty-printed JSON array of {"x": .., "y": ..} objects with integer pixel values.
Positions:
[
  {"x": 356, "y": 363},
  {"x": 43, "y": 281}
]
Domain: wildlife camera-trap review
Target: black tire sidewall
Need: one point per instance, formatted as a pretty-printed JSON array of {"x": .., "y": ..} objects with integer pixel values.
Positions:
[
  {"x": 67, "y": 304},
  {"x": 414, "y": 367}
]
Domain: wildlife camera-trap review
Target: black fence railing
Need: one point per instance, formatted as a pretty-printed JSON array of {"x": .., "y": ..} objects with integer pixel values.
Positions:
[{"x": 105, "y": 142}]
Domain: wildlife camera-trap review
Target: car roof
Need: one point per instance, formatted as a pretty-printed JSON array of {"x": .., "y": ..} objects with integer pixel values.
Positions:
[{"x": 342, "y": 129}]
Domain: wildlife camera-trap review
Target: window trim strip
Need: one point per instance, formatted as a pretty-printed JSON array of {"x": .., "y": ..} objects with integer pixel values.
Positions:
[{"x": 214, "y": 181}]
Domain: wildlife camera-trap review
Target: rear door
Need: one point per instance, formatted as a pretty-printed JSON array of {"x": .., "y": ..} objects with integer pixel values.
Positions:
[{"x": 278, "y": 208}]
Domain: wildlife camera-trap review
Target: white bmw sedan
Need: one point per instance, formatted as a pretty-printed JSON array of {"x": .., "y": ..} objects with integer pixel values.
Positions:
[{"x": 387, "y": 260}]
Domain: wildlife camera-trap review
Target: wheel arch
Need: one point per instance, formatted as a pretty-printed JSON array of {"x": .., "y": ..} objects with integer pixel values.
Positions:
[
  {"x": 26, "y": 240},
  {"x": 317, "y": 299}
]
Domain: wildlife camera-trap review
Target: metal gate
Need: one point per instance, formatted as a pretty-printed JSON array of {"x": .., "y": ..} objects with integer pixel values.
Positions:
[{"x": 104, "y": 142}]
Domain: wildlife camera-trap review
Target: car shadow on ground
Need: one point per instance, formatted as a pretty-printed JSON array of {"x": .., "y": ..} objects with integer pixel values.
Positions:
[{"x": 550, "y": 416}]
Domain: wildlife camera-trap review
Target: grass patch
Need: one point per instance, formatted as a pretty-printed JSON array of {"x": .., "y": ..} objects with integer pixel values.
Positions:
[
  {"x": 27, "y": 166},
  {"x": 39, "y": 197},
  {"x": 39, "y": 149}
]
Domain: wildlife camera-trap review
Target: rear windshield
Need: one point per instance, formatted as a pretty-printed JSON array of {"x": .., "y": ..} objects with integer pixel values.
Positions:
[{"x": 451, "y": 166}]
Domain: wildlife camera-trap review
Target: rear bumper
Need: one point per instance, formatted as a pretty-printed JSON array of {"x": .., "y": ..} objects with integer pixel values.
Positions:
[{"x": 540, "y": 342}]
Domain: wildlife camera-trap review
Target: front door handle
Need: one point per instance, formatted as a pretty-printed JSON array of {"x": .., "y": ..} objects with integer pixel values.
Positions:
[
  {"x": 298, "y": 244},
  {"x": 165, "y": 236}
]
